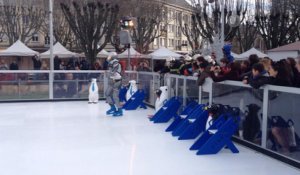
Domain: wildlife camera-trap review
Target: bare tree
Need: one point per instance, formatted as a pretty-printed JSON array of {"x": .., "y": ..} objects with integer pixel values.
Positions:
[
  {"x": 279, "y": 23},
  {"x": 208, "y": 17},
  {"x": 92, "y": 24},
  {"x": 246, "y": 35},
  {"x": 21, "y": 22},
  {"x": 150, "y": 20},
  {"x": 192, "y": 32}
]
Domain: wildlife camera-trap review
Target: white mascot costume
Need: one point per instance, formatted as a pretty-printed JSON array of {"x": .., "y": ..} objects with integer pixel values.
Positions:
[
  {"x": 93, "y": 92},
  {"x": 162, "y": 97},
  {"x": 131, "y": 90}
]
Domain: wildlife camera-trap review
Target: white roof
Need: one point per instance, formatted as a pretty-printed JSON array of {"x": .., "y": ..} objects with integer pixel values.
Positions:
[
  {"x": 60, "y": 51},
  {"x": 235, "y": 55},
  {"x": 164, "y": 53},
  {"x": 103, "y": 54},
  {"x": 18, "y": 49},
  {"x": 133, "y": 54},
  {"x": 251, "y": 52}
]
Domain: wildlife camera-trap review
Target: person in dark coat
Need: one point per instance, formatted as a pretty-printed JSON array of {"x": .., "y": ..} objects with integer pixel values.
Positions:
[
  {"x": 187, "y": 68},
  {"x": 257, "y": 77},
  {"x": 13, "y": 66},
  {"x": 57, "y": 62},
  {"x": 297, "y": 74},
  {"x": 37, "y": 64},
  {"x": 279, "y": 74}
]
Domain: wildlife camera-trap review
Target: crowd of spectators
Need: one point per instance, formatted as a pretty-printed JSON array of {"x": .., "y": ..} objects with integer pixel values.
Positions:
[{"x": 254, "y": 71}]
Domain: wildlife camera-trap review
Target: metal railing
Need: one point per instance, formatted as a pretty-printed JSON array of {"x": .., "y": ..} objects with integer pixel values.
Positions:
[{"x": 271, "y": 100}]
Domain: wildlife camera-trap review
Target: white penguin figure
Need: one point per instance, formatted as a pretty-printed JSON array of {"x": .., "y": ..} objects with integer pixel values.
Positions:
[
  {"x": 162, "y": 97},
  {"x": 132, "y": 89},
  {"x": 93, "y": 92}
]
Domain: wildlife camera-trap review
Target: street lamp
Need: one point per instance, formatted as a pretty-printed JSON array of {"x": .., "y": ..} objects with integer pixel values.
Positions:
[
  {"x": 125, "y": 38},
  {"x": 51, "y": 74}
]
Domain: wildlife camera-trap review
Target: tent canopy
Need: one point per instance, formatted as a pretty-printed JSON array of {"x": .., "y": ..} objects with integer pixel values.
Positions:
[
  {"x": 18, "y": 49},
  {"x": 60, "y": 51},
  {"x": 164, "y": 53},
  {"x": 103, "y": 54},
  {"x": 235, "y": 55},
  {"x": 133, "y": 54},
  {"x": 251, "y": 52}
]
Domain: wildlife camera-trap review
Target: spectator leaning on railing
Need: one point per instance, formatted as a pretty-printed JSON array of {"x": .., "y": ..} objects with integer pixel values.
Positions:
[
  {"x": 297, "y": 74},
  {"x": 231, "y": 74},
  {"x": 258, "y": 77}
]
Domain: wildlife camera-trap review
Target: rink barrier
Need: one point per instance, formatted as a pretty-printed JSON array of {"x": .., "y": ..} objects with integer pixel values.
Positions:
[{"x": 155, "y": 81}]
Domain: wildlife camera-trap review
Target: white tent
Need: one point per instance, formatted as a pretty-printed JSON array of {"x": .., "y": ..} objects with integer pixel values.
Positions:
[
  {"x": 60, "y": 51},
  {"x": 133, "y": 54},
  {"x": 18, "y": 49},
  {"x": 163, "y": 53},
  {"x": 251, "y": 52},
  {"x": 235, "y": 55},
  {"x": 103, "y": 54}
]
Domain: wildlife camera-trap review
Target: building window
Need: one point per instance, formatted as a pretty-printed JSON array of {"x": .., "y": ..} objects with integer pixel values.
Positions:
[
  {"x": 160, "y": 41},
  {"x": 173, "y": 28},
  {"x": 35, "y": 37}
]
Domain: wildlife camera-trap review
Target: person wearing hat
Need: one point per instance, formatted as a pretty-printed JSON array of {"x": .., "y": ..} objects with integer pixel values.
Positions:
[
  {"x": 114, "y": 85},
  {"x": 174, "y": 66},
  {"x": 187, "y": 69}
]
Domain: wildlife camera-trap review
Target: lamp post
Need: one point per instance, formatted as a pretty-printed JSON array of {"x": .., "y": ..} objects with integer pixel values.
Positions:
[
  {"x": 51, "y": 74},
  {"x": 125, "y": 38}
]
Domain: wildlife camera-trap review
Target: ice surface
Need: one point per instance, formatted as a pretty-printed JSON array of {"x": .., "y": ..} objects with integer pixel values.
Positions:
[{"x": 76, "y": 138}]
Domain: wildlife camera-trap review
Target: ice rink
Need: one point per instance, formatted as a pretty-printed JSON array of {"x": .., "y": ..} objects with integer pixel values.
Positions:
[{"x": 75, "y": 138}]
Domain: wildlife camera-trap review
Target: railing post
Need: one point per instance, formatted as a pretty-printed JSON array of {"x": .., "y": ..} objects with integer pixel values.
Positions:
[
  {"x": 184, "y": 92},
  {"x": 19, "y": 88},
  {"x": 176, "y": 91},
  {"x": 211, "y": 94},
  {"x": 200, "y": 95},
  {"x": 265, "y": 117},
  {"x": 105, "y": 82},
  {"x": 168, "y": 78},
  {"x": 77, "y": 87}
]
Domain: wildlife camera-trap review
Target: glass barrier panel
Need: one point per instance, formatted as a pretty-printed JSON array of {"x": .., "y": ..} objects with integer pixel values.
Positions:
[
  {"x": 76, "y": 85},
  {"x": 180, "y": 87},
  {"x": 172, "y": 90},
  {"x": 205, "y": 98},
  {"x": 127, "y": 76},
  {"x": 24, "y": 86},
  {"x": 284, "y": 124},
  {"x": 249, "y": 103},
  {"x": 192, "y": 91},
  {"x": 146, "y": 83}
]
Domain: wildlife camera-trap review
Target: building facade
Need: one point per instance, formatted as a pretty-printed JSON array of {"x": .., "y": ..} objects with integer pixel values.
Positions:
[{"x": 178, "y": 12}]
